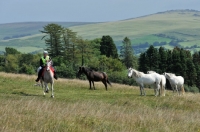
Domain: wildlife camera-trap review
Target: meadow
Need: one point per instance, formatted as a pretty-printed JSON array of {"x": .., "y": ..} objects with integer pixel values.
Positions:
[{"x": 75, "y": 108}]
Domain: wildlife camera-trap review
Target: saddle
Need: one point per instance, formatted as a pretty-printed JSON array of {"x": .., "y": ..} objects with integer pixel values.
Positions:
[{"x": 51, "y": 68}]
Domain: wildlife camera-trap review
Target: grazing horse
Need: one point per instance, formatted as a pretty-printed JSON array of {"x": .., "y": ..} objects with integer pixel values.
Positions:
[
  {"x": 94, "y": 76},
  {"x": 146, "y": 79},
  {"x": 163, "y": 82},
  {"x": 47, "y": 78},
  {"x": 176, "y": 82}
]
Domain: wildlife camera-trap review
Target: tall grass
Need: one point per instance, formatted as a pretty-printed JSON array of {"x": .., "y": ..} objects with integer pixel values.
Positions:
[{"x": 76, "y": 108}]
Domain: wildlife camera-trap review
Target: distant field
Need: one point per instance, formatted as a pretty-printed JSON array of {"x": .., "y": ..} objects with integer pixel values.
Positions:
[
  {"x": 174, "y": 25},
  {"x": 75, "y": 108}
]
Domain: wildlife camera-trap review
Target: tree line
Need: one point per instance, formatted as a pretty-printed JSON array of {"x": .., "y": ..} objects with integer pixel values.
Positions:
[{"x": 69, "y": 51}]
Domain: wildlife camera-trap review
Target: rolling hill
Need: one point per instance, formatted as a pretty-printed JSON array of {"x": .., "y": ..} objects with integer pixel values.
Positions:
[{"x": 181, "y": 26}]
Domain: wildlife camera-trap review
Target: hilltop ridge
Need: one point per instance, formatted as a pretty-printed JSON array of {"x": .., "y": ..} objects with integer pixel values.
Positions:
[{"x": 174, "y": 25}]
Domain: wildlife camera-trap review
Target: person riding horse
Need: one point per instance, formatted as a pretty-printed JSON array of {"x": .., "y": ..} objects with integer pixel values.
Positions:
[{"x": 43, "y": 60}]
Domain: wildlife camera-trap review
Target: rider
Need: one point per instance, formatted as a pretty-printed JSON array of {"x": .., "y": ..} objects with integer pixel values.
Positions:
[{"x": 43, "y": 60}]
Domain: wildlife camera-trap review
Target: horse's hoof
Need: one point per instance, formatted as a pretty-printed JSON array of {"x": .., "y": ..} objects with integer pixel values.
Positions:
[
  {"x": 52, "y": 96},
  {"x": 47, "y": 91}
]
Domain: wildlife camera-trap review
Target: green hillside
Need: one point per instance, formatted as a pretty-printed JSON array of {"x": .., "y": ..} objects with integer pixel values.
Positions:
[
  {"x": 26, "y": 36},
  {"x": 179, "y": 25}
]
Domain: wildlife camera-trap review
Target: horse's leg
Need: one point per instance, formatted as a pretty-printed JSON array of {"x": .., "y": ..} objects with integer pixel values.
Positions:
[
  {"x": 143, "y": 90},
  {"x": 93, "y": 85},
  {"x": 140, "y": 90},
  {"x": 105, "y": 84},
  {"x": 157, "y": 89},
  {"x": 163, "y": 90},
  {"x": 52, "y": 94},
  {"x": 90, "y": 84},
  {"x": 183, "y": 90},
  {"x": 176, "y": 88},
  {"x": 43, "y": 87}
]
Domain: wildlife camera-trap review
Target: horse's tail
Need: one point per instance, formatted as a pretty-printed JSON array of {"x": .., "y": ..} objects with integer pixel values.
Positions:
[
  {"x": 183, "y": 90},
  {"x": 106, "y": 77},
  {"x": 109, "y": 82},
  {"x": 161, "y": 88}
]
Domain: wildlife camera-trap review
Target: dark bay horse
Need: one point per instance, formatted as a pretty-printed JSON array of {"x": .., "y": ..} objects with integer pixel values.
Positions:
[{"x": 94, "y": 76}]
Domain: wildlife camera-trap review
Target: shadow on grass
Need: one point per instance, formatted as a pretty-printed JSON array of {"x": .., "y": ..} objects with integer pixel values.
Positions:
[{"x": 24, "y": 94}]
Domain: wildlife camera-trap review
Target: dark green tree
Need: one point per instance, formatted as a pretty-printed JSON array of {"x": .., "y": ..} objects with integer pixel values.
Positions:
[
  {"x": 10, "y": 50},
  {"x": 108, "y": 48},
  {"x": 127, "y": 54},
  {"x": 143, "y": 65},
  {"x": 85, "y": 50},
  {"x": 69, "y": 44},
  {"x": 53, "y": 39},
  {"x": 190, "y": 73},
  {"x": 163, "y": 60},
  {"x": 196, "y": 61},
  {"x": 176, "y": 61},
  {"x": 152, "y": 58},
  {"x": 169, "y": 61}
]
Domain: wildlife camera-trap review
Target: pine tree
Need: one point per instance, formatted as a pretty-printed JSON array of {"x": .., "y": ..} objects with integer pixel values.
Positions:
[
  {"x": 152, "y": 58},
  {"x": 127, "y": 54},
  {"x": 163, "y": 60},
  {"x": 196, "y": 61},
  {"x": 69, "y": 39},
  {"x": 108, "y": 48},
  {"x": 54, "y": 45}
]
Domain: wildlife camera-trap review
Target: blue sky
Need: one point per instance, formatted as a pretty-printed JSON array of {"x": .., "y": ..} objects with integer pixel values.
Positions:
[{"x": 86, "y": 10}]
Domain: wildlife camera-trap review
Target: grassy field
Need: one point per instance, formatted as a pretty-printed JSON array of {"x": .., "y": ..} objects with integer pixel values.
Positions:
[
  {"x": 177, "y": 24},
  {"x": 75, "y": 108}
]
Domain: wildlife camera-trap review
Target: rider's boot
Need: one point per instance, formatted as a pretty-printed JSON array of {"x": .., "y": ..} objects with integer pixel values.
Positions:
[
  {"x": 55, "y": 76},
  {"x": 39, "y": 75}
]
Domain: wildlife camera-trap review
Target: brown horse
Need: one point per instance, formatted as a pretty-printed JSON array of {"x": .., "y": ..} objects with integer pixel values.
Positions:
[{"x": 94, "y": 76}]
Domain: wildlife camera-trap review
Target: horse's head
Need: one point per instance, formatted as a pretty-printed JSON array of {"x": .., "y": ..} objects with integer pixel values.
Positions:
[
  {"x": 168, "y": 75},
  {"x": 81, "y": 70},
  {"x": 130, "y": 72},
  {"x": 48, "y": 65}
]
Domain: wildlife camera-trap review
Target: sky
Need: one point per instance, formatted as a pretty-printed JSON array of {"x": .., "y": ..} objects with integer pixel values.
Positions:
[{"x": 86, "y": 10}]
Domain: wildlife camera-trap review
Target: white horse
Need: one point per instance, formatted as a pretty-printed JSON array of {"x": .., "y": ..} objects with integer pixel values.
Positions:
[
  {"x": 146, "y": 79},
  {"x": 176, "y": 82},
  {"x": 163, "y": 82},
  {"x": 47, "y": 78}
]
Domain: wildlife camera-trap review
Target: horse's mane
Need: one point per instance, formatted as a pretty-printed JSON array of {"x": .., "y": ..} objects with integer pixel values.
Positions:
[
  {"x": 151, "y": 72},
  {"x": 138, "y": 73},
  {"x": 170, "y": 74}
]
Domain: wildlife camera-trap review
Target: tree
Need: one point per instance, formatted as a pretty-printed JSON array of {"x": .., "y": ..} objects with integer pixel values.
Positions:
[
  {"x": 196, "y": 61},
  {"x": 10, "y": 50},
  {"x": 127, "y": 54},
  {"x": 152, "y": 58},
  {"x": 163, "y": 60},
  {"x": 108, "y": 48},
  {"x": 69, "y": 45},
  {"x": 190, "y": 73},
  {"x": 143, "y": 65},
  {"x": 84, "y": 50},
  {"x": 54, "y": 45}
]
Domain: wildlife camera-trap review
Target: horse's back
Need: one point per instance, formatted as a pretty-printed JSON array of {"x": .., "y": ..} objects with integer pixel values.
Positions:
[
  {"x": 97, "y": 76},
  {"x": 149, "y": 78},
  {"x": 180, "y": 80}
]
